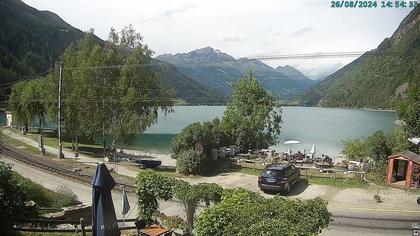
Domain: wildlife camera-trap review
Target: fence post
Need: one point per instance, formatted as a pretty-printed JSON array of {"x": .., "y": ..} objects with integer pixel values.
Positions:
[{"x": 82, "y": 226}]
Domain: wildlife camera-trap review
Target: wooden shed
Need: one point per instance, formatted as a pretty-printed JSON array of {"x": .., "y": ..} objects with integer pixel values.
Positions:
[{"x": 404, "y": 169}]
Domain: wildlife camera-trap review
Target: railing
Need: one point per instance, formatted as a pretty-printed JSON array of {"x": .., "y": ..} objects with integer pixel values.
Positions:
[{"x": 44, "y": 225}]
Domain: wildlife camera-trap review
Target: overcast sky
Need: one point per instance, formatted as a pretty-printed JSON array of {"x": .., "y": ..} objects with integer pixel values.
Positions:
[{"x": 242, "y": 28}]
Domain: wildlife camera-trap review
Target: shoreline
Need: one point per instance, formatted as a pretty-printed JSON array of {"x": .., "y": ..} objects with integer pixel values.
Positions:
[
  {"x": 166, "y": 159},
  {"x": 373, "y": 109},
  {"x": 350, "y": 108}
]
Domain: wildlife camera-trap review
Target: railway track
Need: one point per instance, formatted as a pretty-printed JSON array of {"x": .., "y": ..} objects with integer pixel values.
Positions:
[{"x": 53, "y": 167}]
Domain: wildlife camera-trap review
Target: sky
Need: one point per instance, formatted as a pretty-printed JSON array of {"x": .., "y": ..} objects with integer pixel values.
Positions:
[{"x": 244, "y": 28}]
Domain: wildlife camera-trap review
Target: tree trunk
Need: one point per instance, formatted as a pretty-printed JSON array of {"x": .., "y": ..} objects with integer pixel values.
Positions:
[
  {"x": 77, "y": 144},
  {"x": 72, "y": 143},
  {"x": 41, "y": 134},
  {"x": 104, "y": 144},
  {"x": 190, "y": 207},
  {"x": 26, "y": 128}
]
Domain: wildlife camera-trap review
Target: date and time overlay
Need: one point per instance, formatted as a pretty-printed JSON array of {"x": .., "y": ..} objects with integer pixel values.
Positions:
[{"x": 374, "y": 3}]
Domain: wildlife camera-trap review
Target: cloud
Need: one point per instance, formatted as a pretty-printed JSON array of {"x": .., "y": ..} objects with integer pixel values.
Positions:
[
  {"x": 229, "y": 36},
  {"x": 320, "y": 70},
  {"x": 302, "y": 31},
  {"x": 169, "y": 13}
]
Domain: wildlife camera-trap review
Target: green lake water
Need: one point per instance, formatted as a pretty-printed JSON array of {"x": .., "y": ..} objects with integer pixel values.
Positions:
[
  {"x": 327, "y": 127},
  {"x": 2, "y": 118}
]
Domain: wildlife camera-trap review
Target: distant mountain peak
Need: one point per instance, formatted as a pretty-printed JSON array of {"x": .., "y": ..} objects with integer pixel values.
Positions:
[
  {"x": 292, "y": 72},
  {"x": 218, "y": 71},
  {"x": 202, "y": 55},
  {"x": 205, "y": 50}
]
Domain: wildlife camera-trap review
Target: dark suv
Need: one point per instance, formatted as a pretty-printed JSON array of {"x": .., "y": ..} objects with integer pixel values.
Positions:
[{"x": 278, "y": 178}]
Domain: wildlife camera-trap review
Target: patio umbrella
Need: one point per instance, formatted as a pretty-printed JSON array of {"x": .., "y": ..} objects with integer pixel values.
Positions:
[
  {"x": 292, "y": 142},
  {"x": 313, "y": 149},
  {"x": 104, "y": 220}
]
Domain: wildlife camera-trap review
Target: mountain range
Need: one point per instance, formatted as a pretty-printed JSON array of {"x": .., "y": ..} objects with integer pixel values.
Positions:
[
  {"x": 218, "y": 71},
  {"x": 31, "y": 41},
  {"x": 378, "y": 79}
]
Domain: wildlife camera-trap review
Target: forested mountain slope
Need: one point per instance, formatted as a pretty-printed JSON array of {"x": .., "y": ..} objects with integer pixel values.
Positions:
[
  {"x": 31, "y": 41},
  {"x": 377, "y": 79}
]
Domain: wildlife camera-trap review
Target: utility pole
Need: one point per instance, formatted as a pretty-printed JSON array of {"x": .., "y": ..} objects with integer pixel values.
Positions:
[
  {"x": 103, "y": 118},
  {"x": 60, "y": 143}
]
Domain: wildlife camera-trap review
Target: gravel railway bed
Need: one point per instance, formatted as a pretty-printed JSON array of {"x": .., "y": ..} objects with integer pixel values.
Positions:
[{"x": 60, "y": 169}]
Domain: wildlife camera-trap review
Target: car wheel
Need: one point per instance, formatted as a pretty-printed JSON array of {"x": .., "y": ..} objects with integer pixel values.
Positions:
[{"x": 287, "y": 188}]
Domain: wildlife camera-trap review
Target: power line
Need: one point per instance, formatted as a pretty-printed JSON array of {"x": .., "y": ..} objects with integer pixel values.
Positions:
[
  {"x": 309, "y": 55},
  {"x": 262, "y": 57},
  {"x": 258, "y": 57}
]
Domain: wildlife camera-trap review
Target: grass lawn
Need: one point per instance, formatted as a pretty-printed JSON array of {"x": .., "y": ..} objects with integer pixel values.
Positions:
[
  {"x": 172, "y": 173},
  {"x": 16, "y": 143},
  {"x": 51, "y": 140},
  {"x": 338, "y": 182},
  {"x": 46, "y": 198},
  {"x": 250, "y": 171}
]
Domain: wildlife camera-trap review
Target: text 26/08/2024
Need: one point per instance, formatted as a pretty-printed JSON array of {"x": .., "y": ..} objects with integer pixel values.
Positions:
[{"x": 374, "y": 4}]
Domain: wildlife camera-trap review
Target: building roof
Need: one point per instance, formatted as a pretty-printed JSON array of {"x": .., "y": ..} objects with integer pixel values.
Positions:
[
  {"x": 415, "y": 140},
  {"x": 408, "y": 155}
]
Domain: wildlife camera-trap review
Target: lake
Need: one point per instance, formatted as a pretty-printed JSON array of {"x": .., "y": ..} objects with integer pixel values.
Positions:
[{"x": 327, "y": 127}]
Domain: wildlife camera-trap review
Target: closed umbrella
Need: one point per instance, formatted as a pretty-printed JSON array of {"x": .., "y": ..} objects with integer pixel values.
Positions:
[
  {"x": 125, "y": 205},
  {"x": 104, "y": 220}
]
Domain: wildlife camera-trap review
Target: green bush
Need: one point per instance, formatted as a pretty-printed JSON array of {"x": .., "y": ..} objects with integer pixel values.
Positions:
[
  {"x": 188, "y": 162},
  {"x": 173, "y": 222},
  {"x": 208, "y": 134},
  {"x": 242, "y": 212},
  {"x": 67, "y": 198},
  {"x": 151, "y": 186},
  {"x": 12, "y": 197}
]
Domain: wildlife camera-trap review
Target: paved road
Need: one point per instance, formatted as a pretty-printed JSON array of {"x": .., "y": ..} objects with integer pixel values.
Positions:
[
  {"x": 340, "y": 225},
  {"x": 353, "y": 231}
]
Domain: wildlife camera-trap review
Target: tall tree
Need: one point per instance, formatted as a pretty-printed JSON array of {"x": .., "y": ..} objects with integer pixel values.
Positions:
[
  {"x": 111, "y": 88},
  {"x": 27, "y": 103},
  {"x": 253, "y": 119},
  {"x": 409, "y": 111},
  {"x": 16, "y": 107},
  {"x": 32, "y": 99}
]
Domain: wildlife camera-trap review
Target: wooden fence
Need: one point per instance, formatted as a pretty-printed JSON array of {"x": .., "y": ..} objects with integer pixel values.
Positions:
[{"x": 45, "y": 225}]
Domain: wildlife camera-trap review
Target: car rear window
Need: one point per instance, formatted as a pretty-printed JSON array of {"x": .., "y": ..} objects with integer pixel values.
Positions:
[{"x": 272, "y": 173}]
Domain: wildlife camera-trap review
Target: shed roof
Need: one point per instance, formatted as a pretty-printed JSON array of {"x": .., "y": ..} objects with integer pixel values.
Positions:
[{"x": 408, "y": 155}]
